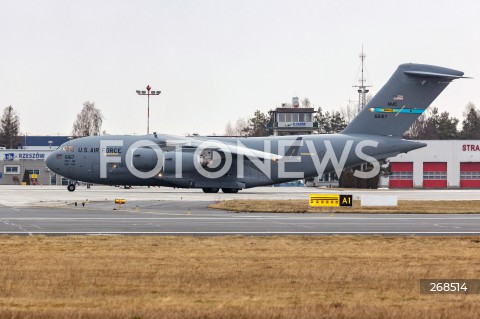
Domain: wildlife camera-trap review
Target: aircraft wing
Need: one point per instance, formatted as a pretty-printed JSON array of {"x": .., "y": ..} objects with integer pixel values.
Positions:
[
  {"x": 234, "y": 149},
  {"x": 224, "y": 146}
]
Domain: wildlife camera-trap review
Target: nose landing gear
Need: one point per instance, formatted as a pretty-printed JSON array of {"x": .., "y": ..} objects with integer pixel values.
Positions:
[{"x": 71, "y": 187}]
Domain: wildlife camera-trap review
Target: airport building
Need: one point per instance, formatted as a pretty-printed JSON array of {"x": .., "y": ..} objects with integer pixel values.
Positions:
[
  {"x": 30, "y": 156},
  {"x": 442, "y": 164},
  {"x": 291, "y": 119}
]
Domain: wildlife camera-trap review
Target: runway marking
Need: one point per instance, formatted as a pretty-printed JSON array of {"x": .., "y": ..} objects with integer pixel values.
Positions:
[
  {"x": 7, "y": 223},
  {"x": 291, "y": 224}
]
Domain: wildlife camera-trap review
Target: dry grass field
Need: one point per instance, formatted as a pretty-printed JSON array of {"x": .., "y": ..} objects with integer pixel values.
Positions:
[
  {"x": 302, "y": 206},
  {"x": 233, "y": 277}
]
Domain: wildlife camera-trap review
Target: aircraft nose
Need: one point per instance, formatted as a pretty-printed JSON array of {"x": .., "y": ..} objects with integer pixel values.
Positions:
[{"x": 51, "y": 160}]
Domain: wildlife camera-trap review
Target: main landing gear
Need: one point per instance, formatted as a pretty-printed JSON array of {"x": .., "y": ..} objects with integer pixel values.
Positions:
[
  {"x": 230, "y": 190},
  {"x": 71, "y": 187},
  {"x": 216, "y": 189}
]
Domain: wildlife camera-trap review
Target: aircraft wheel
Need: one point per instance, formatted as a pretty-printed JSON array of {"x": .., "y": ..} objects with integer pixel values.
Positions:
[
  {"x": 230, "y": 190},
  {"x": 210, "y": 189},
  {"x": 71, "y": 187}
]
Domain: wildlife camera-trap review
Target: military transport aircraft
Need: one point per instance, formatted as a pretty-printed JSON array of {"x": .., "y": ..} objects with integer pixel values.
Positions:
[{"x": 232, "y": 164}]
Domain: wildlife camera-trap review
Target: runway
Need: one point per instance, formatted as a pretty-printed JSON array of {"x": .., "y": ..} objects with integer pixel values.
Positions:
[
  {"x": 194, "y": 218},
  {"x": 50, "y": 210}
]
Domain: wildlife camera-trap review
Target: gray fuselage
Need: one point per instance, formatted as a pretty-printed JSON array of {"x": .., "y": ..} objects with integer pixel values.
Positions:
[{"x": 298, "y": 157}]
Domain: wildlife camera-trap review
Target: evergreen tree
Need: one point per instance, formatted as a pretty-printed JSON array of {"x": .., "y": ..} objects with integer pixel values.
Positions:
[
  {"x": 447, "y": 127},
  {"x": 337, "y": 122},
  {"x": 10, "y": 127},
  {"x": 327, "y": 126},
  {"x": 322, "y": 120},
  {"x": 471, "y": 123},
  {"x": 431, "y": 124},
  {"x": 329, "y": 123},
  {"x": 258, "y": 124},
  {"x": 26, "y": 177},
  {"x": 434, "y": 126}
]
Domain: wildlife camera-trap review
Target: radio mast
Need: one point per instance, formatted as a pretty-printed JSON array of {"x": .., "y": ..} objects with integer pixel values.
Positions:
[{"x": 362, "y": 87}]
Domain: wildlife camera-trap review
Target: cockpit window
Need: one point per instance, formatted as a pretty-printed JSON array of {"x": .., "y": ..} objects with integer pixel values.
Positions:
[{"x": 68, "y": 148}]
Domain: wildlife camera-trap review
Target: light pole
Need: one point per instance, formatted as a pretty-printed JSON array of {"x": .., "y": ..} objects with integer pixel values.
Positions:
[{"x": 148, "y": 93}]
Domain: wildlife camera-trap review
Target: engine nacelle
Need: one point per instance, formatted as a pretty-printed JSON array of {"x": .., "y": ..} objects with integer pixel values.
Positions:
[
  {"x": 144, "y": 159},
  {"x": 187, "y": 164}
]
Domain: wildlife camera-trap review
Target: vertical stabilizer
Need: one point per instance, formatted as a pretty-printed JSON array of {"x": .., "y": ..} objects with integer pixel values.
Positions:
[{"x": 410, "y": 90}]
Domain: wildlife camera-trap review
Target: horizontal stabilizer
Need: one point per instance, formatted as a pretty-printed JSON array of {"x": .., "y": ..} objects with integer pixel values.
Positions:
[{"x": 435, "y": 75}]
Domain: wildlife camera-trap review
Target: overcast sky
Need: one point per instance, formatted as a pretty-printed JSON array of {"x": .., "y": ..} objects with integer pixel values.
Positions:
[{"x": 217, "y": 61}]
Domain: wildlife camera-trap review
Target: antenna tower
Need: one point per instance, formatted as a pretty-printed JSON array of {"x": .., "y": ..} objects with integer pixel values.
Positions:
[{"x": 362, "y": 87}]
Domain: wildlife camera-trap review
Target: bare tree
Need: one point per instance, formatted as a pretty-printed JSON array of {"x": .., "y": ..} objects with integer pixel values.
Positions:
[
  {"x": 418, "y": 127},
  {"x": 352, "y": 109},
  {"x": 89, "y": 121},
  {"x": 240, "y": 128},
  {"x": 10, "y": 127},
  {"x": 306, "y": 102},
  {"x": 229, "y": 129},
  {"x": 349, "y": 112}
]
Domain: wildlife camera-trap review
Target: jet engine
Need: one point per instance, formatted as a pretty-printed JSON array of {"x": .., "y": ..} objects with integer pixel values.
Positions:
[
  {"x": 144, "y": 159},
  {"x": 208, "y": 159}
]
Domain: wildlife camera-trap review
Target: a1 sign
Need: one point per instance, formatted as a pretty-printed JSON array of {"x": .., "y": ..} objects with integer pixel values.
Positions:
[
  {"x": 330, "y": 200},
  {"x": 346, "y": 200}
]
